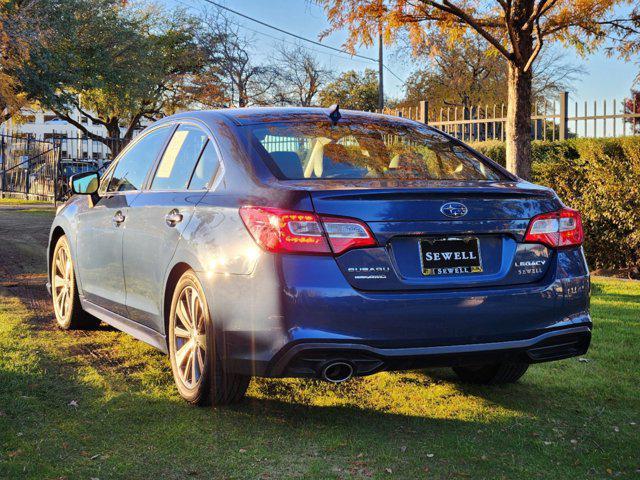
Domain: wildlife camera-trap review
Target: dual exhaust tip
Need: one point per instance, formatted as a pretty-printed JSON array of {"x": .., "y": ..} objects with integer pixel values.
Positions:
[{"x": 337, "y": 371}]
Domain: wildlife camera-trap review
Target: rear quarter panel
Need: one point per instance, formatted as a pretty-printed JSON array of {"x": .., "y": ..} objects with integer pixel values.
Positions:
[{"x": 240, "y": 280}]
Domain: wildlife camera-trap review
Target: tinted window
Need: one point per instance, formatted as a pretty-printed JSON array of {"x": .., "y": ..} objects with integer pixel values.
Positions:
[
  {"x": 379, "y": 149},
  {"x": 205, "y": 169},
  {"x": 133, "y": 166},
  {"x": 179, "y": 158}
]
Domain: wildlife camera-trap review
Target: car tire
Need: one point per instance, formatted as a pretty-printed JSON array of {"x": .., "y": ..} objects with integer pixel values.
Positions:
[
  {"x": 64, "y": 291},
  {"x": 197, "y": 369},
  {"x": 492, "y": 374}
]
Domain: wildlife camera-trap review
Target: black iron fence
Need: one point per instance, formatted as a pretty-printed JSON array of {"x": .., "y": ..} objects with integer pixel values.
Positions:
[{"x": 39, "y": 167}]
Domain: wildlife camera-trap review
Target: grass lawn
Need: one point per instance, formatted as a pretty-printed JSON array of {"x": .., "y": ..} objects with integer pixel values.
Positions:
[{"x": 99, "y": 404}]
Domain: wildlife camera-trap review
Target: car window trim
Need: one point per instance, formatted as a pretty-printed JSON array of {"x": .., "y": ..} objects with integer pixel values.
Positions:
[
  {"x": 213, "y": 177},
  {"x": 195, "y": 165},
  {"x": 159, "y": 161},
  {"x": 216, "y": 179}
]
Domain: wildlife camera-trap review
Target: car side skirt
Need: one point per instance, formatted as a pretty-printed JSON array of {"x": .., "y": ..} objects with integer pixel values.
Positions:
[{"x": 123, "y": 324}]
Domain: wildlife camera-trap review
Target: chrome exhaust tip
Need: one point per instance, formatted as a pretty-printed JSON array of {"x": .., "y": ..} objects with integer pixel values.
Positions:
[{"x": 337, "y": 372}]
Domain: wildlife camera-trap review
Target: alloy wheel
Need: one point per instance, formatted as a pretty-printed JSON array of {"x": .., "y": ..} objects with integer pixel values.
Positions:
[
  {"x": 189, "y": 337},
  {"x": 62, "y": 283}
]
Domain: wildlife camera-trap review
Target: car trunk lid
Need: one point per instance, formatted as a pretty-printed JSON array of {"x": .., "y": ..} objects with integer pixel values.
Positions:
[{"x": 422, "y": 245}]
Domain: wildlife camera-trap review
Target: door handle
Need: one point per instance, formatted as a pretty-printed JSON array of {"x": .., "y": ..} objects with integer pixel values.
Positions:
[
  {"x": 173, "y": 217},
  {"x": 118, "y": 218}
]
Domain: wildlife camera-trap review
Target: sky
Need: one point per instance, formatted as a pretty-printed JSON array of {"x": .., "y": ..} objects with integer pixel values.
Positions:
[{"x": 605, "y": 78}]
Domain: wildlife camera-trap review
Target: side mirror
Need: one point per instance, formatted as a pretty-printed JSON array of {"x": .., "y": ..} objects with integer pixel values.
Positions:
[{"x": 85, "y": 183}]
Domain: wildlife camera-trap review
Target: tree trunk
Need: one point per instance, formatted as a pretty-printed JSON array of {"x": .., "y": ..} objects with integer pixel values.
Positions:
[
  {"x": 518, "y": 127},
  {"x": 113, "y": 129},
  {"x": 114, "y": 139}
]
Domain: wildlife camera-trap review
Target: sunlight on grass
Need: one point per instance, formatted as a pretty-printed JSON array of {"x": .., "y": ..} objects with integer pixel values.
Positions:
[
  {"x": 21, "y": 201},
  {"x": 409, "y": 394}
]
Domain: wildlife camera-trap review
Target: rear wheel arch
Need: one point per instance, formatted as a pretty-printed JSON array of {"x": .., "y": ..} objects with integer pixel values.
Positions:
[
  {"x": 176, "y": 273},
  {"x": 172, "y": 280}
]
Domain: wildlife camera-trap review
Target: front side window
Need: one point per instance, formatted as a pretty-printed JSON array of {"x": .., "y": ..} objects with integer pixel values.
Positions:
[
  {"x": 179, "y": 159},
  {"x": 371, "y": 150},
  {"x": 133, "y": 166}
]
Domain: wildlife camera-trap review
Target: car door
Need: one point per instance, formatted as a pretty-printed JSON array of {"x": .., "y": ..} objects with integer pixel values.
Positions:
[
  {"x": 159, "y": 215},
  {"x": 100, "y": 227}
]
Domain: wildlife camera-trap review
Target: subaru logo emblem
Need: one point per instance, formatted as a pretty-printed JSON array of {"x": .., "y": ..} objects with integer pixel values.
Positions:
[{"x": 454, "y": 209}]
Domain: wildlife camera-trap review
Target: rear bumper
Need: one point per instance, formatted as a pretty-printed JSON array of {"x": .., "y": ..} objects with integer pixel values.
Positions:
[
  {"x": 297, "y": 305},
  {"x": 306, "y": 359}
]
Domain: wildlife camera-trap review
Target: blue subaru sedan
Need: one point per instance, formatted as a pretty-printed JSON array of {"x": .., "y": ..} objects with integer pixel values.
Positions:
[{"x": 286, "y": 242}]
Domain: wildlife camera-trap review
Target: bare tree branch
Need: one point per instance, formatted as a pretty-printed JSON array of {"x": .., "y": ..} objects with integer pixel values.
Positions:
[
  {"x": 449, "y": 7},
  {"x": 537, "y": 48},
  {"x": 79, "y": 126}
]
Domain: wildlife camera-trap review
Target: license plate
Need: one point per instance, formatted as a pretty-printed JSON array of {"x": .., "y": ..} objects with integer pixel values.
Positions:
[{"x": 450, "y": 256}]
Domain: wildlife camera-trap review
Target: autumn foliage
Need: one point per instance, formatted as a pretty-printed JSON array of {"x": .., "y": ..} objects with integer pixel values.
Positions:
[{"x": 516, "y": 29}]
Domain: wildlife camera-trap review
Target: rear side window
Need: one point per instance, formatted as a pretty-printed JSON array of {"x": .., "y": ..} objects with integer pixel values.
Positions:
[
  {"x": 371, "y": 150},
  {"x": 205, "y": 169},
  {"x": 179, "y": 159},
  {"x": 133, "y": 166}
]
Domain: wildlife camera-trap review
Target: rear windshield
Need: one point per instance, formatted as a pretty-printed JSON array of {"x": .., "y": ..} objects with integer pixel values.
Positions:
[{"x": 320, "y": 150}]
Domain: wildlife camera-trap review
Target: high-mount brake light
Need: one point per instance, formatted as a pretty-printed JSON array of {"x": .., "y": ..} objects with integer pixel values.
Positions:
[
  {"x": 562, "y": 228},
  {"x": 286, "y": 231}
]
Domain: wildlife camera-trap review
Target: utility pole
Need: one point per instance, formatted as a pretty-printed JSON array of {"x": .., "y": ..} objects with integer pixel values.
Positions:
[{"x": 380, "y": 72}]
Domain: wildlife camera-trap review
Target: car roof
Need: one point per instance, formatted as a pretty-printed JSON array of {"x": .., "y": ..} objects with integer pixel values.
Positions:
[{"x": 258, "y": 115}]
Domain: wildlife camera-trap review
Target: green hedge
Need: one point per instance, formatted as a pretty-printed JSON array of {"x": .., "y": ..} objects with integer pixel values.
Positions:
[{"x": 599, "y": 177}]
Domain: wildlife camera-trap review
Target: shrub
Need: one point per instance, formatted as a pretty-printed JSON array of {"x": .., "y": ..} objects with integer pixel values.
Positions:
[
  {"x": 599, "y": 177},
  {"x": 494, "y": 149}
]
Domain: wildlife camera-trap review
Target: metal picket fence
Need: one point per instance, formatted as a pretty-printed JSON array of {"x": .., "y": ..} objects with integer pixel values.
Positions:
[{"x": 550, "y": 120}]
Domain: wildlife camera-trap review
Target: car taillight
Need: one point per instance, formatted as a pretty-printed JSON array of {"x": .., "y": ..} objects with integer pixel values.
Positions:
[
  {"x": 562, "y": 228},
  {"x": 346, "y": 233},
  {"x": 285, "y": 231}
]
